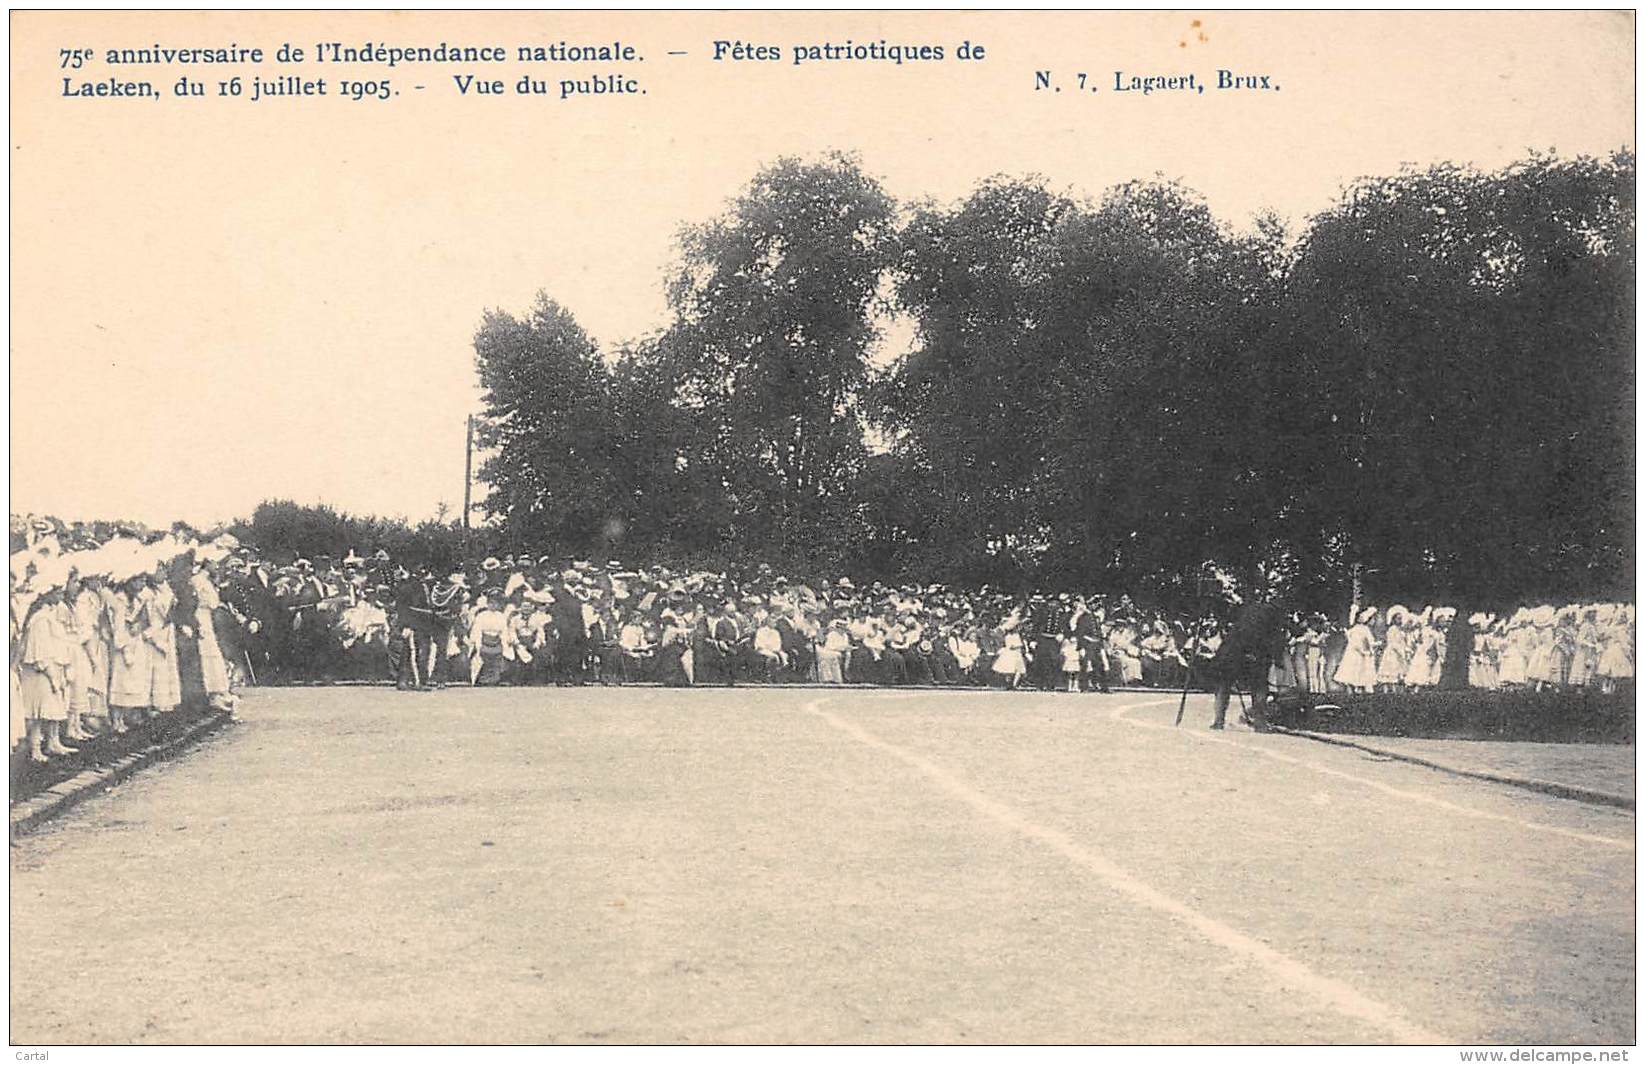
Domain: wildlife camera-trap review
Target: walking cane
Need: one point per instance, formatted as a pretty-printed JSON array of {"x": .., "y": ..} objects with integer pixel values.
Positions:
[
  {"x": 1202, "y": 595},
  {"x": 249, "y": 669},
  {"x": 1188, "y": 680}
]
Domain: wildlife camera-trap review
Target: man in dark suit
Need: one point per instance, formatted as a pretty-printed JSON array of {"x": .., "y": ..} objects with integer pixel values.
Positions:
[
  {"x": 727, "y": 641},
  {"x": 310, "y": 642},
  {"x": 571, "y": 648},
  {"x": 229, "y": 619},
  {"x": 797, "y": 644},
  {"x": 705, "y": 656},
  {"x": 1086, "y": 629},
  {"x": 1253, "y": 643},
  {"x": 1044, "y": 632},
  {"x": 251, "y": 595},
  {"x": 413, "y": 631}
]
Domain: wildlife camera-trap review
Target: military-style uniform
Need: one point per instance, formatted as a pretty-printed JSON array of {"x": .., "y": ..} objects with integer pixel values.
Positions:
[
  {"x": 449, "y": 600},
  {"x": 263, "y": 643},
  {"x": 1045, "y": 625},
  {"x": 413, "y": 642}
]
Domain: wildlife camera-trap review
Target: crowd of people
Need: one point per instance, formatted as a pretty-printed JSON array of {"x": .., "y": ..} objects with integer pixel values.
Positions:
[
  {"x": 1581, "y": 645},
  {"x": 115, "y": 628}
]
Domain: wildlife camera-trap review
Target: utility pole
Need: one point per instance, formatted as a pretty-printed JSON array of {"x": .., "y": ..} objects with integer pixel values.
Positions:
[{"x": 468, "y": 480}]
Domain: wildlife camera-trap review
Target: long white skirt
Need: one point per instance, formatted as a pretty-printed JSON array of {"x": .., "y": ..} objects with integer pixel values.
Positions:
[
  {"x": 1392, "y": 666},
  {"x": 130, "y": 674},
  {"x": 213, "y": 670},
  {"x": 19, "y": 720},
  {"x": 830, "y": 666},
  {"x": 165, "y": 683},
  {"x": 1010, "y": 662},
  {"x": 89, "y": 678},
  {"x": 1616, "y": 661},
  {"x": 1425, "y": 666},
  {"x": 41, "y": 702},
  {"x": 1358, "y": 669}
]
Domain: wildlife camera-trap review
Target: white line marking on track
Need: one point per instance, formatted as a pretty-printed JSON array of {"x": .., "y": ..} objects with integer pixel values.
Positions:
[
  {"x": 1290, "y": 972},
  {"x": 1118, "y": 714}
]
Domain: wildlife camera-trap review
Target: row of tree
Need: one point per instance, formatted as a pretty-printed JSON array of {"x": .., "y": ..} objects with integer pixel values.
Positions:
[
  {"x": 1429, "y": 387},
  {"x": 283, "y": 531}
]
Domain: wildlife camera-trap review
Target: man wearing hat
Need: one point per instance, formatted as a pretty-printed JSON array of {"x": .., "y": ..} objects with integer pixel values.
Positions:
[
  {"x": 490, "y": 578},
  {"x": 945, "y": 664},
  {"x": 1254, "y": 642},
  {"x": 414, "y": 631},
  {"x": 305, "y": 635},
  {"x": 379, "y": 568},
  {"x": 1086, "y": 630},
  {"x": 1045, "y": 624},
  {"x": 717, "y": 653},
  {"x": 571, "y": 647},
  {"x": 799, "y": 640},
  {"x": 250, "y": 595},
  {"x": 450, "y": 599}
]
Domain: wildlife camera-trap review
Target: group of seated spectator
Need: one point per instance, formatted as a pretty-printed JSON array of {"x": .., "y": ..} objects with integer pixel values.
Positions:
[{"x": 113, "y": 627}]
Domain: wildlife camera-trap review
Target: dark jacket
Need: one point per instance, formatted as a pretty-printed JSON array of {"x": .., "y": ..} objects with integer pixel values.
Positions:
[{"x": 1254, "y": 641}]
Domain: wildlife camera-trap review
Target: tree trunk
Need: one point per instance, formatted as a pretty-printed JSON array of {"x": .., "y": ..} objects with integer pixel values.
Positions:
[{"x": 1459, "y": 649}]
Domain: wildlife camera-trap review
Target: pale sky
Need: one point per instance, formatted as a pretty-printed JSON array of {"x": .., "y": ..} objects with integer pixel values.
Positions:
[{"x": 217, "y": 301}]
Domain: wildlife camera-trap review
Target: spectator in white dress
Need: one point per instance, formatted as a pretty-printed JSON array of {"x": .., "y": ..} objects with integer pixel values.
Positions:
[{"x": 1358, "y": 668}]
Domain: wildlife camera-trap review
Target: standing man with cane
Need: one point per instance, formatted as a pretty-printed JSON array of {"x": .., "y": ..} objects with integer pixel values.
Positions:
[{"x": 1254, "y": 642}]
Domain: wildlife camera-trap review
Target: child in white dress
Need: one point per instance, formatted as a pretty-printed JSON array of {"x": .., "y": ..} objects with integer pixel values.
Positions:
[
  {"x": 1010, "y": 662},
  {"x": 1358, "y": 669},
  {"x": 1070, "y": 649}
]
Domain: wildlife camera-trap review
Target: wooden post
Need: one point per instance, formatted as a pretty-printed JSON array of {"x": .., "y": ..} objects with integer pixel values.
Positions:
[{"x": 468, "y": 479}]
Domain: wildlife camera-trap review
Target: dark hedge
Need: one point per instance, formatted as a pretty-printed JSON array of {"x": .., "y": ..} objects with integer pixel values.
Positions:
[{"x": 1574, "y": 716}]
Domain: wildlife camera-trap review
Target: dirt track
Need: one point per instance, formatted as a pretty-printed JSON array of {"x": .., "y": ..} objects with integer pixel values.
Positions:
[{"x": 357, "y": 865}]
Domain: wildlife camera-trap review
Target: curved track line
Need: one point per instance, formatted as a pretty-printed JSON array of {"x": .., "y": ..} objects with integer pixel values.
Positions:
[
  {"x": 1289, "y": 971},
  {"x": 1118, "y": 714}
]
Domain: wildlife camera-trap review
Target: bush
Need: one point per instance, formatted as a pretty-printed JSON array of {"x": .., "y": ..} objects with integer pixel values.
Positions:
[
  {"x": 1574, "y": 716},
  {"x": 282, "y": 530}
]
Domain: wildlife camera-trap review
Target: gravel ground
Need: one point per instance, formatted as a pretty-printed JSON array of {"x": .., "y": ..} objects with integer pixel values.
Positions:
[{"x": 650, "y": 865}]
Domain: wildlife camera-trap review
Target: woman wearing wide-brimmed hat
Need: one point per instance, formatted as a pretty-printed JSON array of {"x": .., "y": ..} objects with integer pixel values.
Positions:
[
  {"x": 1483, "y": 668},
  {"x": 88, "y": 668},
  {"x": 1585, "y": 660},
  {"x": 1358, "y": 668},
  {"x": 214, "y": 673},
  {"x": 1396, "y": 650},
  {"x": 160, "y": 633},
  {"x": 1616, "y": 656},
  {"x": 131, "y": 669},
  {"x": 832, "y": 652},
  {"x": 489, "y": 642},
  {"x": 1427, "y": 653},
  {"x": 674, "y": 651},
  {"x": 43, "y": 665},
  {"x": 1514, "y": 657}
]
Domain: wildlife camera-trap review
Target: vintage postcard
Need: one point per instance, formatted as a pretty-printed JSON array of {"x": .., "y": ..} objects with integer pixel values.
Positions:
[{"x": 823, "y": 527}]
